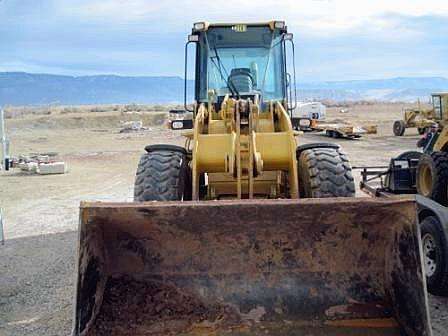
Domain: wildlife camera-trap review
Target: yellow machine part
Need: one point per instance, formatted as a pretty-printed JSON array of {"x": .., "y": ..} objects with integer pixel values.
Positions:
[
  {"x": 251, "y": 267},
  {"x": 418, "y": 118},
  {"x": 441, "y": 112},
  {"x": 244, "y": 150},
  {"x": 442, "y": 140},
  {"x": 422, "y": 118}
]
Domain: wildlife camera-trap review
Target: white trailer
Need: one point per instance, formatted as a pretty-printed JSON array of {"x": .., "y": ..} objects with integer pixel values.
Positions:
[{"x": 305, "y": 113}]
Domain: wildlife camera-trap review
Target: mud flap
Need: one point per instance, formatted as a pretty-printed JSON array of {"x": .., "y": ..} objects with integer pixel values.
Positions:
[{"x": 278, "y": 267}]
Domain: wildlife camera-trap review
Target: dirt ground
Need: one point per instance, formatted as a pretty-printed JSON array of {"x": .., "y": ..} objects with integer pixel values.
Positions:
[{"x": 41, "y": 212}]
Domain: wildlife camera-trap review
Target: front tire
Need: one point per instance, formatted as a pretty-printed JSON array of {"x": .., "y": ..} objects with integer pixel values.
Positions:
[
  {"x": 325, "y": 172},
  {"x": 162, "y": 175},
  {"x": 399, "y": 127},
  {"x": 435, "y": 256},
  {"x": 432, "y": 177}
]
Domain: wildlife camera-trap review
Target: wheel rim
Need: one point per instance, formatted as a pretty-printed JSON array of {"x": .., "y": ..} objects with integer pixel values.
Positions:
[
  {"x": 425, "y": 180},
  {"x": 397, "y": 127},
  {"x": 429, "y": 254}
]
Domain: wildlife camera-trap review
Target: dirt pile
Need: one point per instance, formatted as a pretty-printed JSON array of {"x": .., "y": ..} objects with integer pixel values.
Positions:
[{"x": 152, "y": 308}]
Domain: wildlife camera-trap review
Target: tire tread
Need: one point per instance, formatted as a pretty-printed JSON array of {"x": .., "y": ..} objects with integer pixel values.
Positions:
[
  {"x": 160, "y": 176},
  {"x": 439, "y": 165},
  {"x": 327, "y": 173}
]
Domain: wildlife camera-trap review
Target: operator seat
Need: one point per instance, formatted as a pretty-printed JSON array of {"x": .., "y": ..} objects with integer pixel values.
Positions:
[{"x": 242, "y": 79}]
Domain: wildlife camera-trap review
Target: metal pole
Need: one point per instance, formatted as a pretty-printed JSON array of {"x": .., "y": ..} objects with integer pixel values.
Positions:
[
  {"x": 2, "y": 235},
  {"x": 4, "y": 140}
]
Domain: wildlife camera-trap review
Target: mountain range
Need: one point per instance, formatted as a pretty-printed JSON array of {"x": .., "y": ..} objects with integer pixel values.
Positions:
[{"x": 20, "y": 88}]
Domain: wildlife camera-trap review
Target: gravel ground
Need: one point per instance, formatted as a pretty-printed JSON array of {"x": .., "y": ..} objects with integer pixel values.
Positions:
[{"x": 41, "y": 214}]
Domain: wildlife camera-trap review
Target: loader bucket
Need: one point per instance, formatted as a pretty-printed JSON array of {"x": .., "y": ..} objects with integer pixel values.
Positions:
[{"x": 252, "y": 267}]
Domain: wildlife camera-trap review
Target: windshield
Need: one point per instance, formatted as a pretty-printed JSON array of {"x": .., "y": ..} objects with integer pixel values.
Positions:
[
  {"x": 241, "y": 63},
  {"x": 437, "y": 102}
]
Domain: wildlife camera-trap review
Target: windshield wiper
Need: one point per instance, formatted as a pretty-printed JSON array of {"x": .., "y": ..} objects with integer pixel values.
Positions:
[{"x": 228, "y": 81}]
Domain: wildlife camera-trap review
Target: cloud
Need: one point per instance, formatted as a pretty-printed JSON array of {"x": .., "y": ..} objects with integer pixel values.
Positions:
[
  {"x": 335, "y": 39},
  {"x": 316, "y": 15}
]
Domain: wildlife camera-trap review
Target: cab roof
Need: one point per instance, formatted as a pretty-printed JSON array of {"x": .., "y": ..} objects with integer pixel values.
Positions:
[{"x": 270, "y": 24}]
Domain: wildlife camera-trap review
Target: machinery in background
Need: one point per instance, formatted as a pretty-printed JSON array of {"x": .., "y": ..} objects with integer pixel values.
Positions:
[
  {"x": 346, "y": 131},
  {"x": 401, "y": 178},
  {"x": 306, "y": 115},
  {"x": 432, "y": 169},
  {"x": 424, "y": 174},
  {"x": 423, "y": 118},
  {"x": 310, "y": 117}
]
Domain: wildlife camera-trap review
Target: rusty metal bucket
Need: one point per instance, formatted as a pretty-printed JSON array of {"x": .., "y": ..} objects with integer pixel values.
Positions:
[{"x": 260, "y": 267}]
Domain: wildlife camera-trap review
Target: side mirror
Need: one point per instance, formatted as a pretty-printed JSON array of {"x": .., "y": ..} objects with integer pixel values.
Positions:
[{"x": 181, "y": 124}]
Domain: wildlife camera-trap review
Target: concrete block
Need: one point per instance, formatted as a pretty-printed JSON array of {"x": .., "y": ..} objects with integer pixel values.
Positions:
[
  {"x": 43, "y": 158},
  {"x": 28, "y": 166},
  {"x": 52, "y": 168}
]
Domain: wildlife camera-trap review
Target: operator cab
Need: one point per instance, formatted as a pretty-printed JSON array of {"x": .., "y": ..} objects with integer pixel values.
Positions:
[
  {"x": 440, "y": 105},
  {"x": 242, "y": 61}
]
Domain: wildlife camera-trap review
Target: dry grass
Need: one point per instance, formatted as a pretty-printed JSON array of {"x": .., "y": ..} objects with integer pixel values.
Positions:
[
  {"x": 363, "y": 106},
  {"x": 13, "y": 112}
]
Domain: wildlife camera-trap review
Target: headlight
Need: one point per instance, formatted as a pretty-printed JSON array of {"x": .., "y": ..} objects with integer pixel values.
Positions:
[
  {"x": 177, "y": 125},
  {"x": 288, "y": 36},
  {"x": 193, "y": 38},
  {"x": 279, "y": 24},
  {"x": 182, "y": 124},
  {"x": 199, "y": 26}
]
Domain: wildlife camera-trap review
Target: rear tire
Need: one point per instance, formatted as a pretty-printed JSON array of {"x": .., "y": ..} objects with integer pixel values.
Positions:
[
  {"x": 399, "y": 127},
  {"x": 162, "y": 175},
  {"x": 435, "y": 256},
  {"x": 432, "y": 177},
  {"x": 325, "y": 172}
]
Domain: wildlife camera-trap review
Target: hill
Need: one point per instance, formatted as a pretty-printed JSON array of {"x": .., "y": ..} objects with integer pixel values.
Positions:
[{"x": 20, "y": 88}]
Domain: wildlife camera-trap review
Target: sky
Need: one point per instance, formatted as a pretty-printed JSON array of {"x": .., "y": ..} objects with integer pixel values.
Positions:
[{"x": 334, "y": 39}]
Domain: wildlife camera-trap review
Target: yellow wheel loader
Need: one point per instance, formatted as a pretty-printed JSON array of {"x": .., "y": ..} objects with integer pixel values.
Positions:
[{"x": 241, "y": 231}]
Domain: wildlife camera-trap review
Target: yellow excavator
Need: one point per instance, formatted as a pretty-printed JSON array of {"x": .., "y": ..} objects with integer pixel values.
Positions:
[{"x": 241, "y": 231}]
